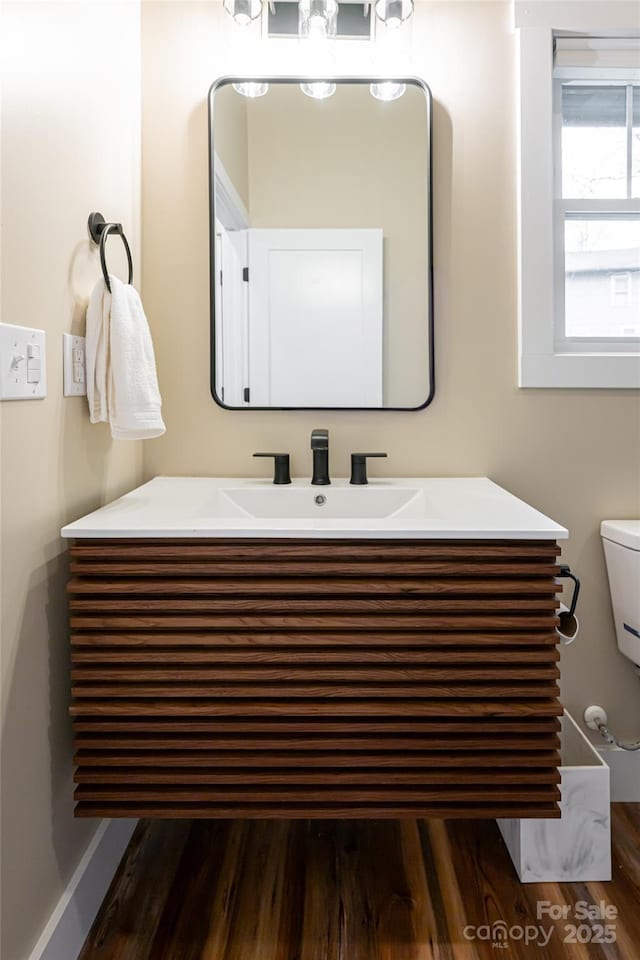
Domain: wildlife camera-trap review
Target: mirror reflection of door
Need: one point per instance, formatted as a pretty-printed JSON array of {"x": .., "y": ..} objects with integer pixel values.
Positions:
[
  {"x": 315, "y": 309},
  {"x": 231, "y": 306},
  {"x": 301, "y": 323}
]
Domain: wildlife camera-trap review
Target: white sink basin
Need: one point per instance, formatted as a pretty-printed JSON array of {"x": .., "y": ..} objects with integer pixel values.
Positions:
[
  {"x": 442, "y": 508},
  {"x": 317, "y": 503}
]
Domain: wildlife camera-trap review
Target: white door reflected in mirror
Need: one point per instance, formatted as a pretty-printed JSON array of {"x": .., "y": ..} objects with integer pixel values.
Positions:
[{"x": 303, "y": 322}]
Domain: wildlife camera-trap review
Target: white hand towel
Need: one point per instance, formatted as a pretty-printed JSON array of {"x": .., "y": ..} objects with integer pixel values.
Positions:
[
  {"x": 97, "y": 352},
  {"x": 122, "y": 384}
]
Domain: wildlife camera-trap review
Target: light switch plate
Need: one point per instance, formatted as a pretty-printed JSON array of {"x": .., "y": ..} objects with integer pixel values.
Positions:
[
  {"x": 74, "y": 366},
  {"x": 23, "y": 363}
]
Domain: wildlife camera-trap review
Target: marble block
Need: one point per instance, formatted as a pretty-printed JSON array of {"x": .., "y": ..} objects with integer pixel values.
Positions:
[{"x": 577, "y": 847}]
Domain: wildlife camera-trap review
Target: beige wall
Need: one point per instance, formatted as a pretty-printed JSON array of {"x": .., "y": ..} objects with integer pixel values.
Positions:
[
  {"x": 373, "y": 158},
  {"x": 70, "y": 145},
  {"x": 231, "y": 136},
  {"x": 571, "y": 453}
]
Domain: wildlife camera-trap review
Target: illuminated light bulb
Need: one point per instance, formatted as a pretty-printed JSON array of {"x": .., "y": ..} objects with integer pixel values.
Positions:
[
  {"x": 317, "y": 26},
  {"x": 251, "y": 89},
  {"x": 387, "y": 90},
  {"x": 317, "y": 19},
  {"x": 243, "y": 11},
  {"x": 318, "y": 89},
  {"x": 393, "y": 13}
]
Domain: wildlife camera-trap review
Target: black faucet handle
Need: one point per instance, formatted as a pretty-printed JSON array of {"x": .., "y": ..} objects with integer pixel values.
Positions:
[
  {"x": 359, "y": 467},
  {"x": 281, "y": 471}
]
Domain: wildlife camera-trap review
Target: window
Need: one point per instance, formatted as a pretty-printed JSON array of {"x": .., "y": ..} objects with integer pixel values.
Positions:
[
  {"x": 579, "y": 198},
  {"x": 597, "y": 236}
]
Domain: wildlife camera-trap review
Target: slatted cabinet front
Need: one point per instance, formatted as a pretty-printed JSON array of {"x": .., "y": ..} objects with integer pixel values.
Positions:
[{"x": 295, "y": 678}]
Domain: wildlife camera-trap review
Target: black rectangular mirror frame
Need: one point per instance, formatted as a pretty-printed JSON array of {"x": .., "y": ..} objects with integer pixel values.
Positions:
[{"x": 415, "y": 81}]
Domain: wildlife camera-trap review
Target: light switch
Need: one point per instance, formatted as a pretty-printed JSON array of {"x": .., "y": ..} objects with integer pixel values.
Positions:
[
  {"x": 22, "y": 363},
  {"x": 33, "y": 371},
  {"x": 73, "y": 365}
]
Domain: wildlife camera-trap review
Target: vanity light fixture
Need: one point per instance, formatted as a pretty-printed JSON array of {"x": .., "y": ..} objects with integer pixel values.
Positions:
[
  {"x": 318, "y": 89},
  {"x": 243, "y": 11},
  {"x": 387, "y": 90},
  {"x": 320, "y": 19},
  {"x": 393, "y": 13},
  {"x": 251, "y": 89}
]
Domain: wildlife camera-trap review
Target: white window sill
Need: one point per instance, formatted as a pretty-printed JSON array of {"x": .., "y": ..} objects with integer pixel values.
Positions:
[{"x": 594, "y": 370}]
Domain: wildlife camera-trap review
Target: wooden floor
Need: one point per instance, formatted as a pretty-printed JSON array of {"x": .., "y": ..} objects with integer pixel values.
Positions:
[{"x": 351, "y": 890}]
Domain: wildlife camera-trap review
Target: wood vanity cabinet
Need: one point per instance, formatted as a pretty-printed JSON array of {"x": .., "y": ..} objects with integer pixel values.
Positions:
[{"x": 315, "y": 678}]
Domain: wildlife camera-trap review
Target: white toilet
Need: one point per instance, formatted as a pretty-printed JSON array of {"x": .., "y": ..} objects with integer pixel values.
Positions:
[{"x": 621, "y": 540}]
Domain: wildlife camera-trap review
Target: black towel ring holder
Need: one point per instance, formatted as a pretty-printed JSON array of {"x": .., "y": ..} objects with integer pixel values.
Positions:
[{"x": 99, "y": 230}]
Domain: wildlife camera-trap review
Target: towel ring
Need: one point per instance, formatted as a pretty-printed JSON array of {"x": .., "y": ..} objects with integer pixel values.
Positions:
[{"x": 99, "y": 230}]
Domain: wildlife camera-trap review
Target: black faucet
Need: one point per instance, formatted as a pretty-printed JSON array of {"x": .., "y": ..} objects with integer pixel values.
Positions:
[
  {"x": 281, "y": 469},
  {"x": 320, "y": 448},
  {"x": 359, "y": 467}
]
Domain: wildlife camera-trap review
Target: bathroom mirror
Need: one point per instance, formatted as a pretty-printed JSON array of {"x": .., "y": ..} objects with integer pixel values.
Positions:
[{"x": 320, "y": 256}]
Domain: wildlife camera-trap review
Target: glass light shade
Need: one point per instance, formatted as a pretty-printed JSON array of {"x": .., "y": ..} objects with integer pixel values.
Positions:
[
  {"x": 393, "y": 13},
  {"x": 317, "y": 19},
  {"x": 387, "y": 90},
  {"x": 319, "y": 89},
  {"x": 243, "y": 11},
  {"x": 251, "y": 89}
]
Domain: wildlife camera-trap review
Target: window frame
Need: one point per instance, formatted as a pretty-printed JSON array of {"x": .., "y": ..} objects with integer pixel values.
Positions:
[
  {"x": 545, "y": 360},
  {"x": 576, "y": 208}
]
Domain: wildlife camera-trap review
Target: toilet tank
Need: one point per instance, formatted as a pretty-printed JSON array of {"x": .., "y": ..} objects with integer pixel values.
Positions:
[{"x": 621, "y": 540}]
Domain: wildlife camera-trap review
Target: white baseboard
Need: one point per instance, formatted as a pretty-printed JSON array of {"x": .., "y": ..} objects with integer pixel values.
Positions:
[
  {"x": 71, "y": 921},
  {"x": 625, "y": 773}
]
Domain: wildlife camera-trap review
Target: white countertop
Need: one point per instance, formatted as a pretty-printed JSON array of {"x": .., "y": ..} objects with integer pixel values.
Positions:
[{"x": 443, "y": 508}]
